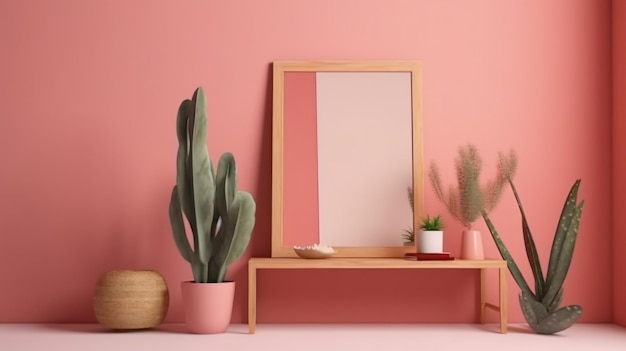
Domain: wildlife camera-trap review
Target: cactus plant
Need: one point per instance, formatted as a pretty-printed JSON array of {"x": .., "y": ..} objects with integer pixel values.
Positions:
[
  {"x": 220, "y": 217},
  {"x": 541, "y": 307}
]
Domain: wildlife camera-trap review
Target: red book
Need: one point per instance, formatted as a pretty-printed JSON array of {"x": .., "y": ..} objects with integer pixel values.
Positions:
[{"x": 428, "y": 256}]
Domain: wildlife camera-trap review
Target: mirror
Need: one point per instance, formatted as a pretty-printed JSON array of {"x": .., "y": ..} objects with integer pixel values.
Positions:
[{"x": 347, "y": 143}]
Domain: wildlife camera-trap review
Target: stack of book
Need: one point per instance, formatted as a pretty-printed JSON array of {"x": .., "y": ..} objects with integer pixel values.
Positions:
[{"x": 428, "y": 256}]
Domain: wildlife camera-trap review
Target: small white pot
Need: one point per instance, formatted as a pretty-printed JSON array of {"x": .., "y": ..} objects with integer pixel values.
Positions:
[{"x": 430, "y": 241}]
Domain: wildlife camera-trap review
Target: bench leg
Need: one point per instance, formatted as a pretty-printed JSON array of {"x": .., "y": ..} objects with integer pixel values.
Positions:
[{"x": 251, "y": 298}]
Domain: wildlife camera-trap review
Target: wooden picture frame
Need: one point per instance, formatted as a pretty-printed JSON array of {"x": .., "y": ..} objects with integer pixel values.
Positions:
[{"x": 280, "y": 69}]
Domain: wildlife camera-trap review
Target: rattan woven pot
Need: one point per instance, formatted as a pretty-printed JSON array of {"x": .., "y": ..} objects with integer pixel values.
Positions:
[{"x": 131, "y": 299}]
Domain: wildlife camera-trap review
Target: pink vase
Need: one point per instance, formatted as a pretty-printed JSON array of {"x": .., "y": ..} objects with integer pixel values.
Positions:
[
  {"x": 472, "y": 245},
  {"x": 208, "y": 306}
]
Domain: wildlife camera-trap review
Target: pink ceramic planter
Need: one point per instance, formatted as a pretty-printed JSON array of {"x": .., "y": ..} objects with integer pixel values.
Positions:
[
  {"x": 472, "y": 245},
  {"x": 208, "y": 306}
]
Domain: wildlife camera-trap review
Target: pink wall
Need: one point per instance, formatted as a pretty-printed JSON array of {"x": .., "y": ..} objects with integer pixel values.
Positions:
[
  {"x": 619, "y": 164},
  {"x": 87, "y": 141}
]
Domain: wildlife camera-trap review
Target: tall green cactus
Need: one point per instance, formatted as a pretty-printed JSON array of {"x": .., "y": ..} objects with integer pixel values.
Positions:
[
  {"x": 220, "y": 217},
  {"x": 541, "y": 307}
]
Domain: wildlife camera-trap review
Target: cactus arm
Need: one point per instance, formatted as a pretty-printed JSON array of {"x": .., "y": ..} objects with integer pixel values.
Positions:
[
  {"x": 531, "y": 249},
  {"x": 504, "y": 252},
  {"x": 216, "y": 218},
  {"x": 243, "y": 226},
  {"x": 185, "y": 193},
  {"x": 226, "y": 175},
  {"x": 178, "y": 227},
  {"x": 234, "y": 236},
  {"x": 203, "y": 181},
  {"x": 198, "y": 268},
  {"x": 565, "y": 257},
  {"x": 561, "y": 230},
  {"x": 226, "y": 184}
]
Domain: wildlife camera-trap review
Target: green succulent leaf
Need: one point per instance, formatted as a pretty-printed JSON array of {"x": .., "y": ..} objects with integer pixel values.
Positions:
[
  {"x": 531, "y": 249},
  {"x": 534, "y": 312},
  {"x": 556, "y": 302},
  {"x": 543, "y": 321},
  {"x": 559, "y": 320},
  {"x": 565, "y": 220},
  {"x": 506, "y": 255},
  {"x": 565, "y": 257}
]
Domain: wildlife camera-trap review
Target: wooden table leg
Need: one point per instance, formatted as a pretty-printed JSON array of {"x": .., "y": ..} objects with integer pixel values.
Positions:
[
  {"x": 251, "y": 298},
  {"x": 503, "y": 300}
]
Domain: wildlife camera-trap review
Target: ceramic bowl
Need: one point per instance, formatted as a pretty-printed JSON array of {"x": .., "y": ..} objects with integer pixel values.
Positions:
[{"x": 312, "y": 253}]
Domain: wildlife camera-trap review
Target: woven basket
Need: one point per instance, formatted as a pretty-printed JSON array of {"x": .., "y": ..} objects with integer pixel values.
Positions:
[{"x": 131, "y": 299}]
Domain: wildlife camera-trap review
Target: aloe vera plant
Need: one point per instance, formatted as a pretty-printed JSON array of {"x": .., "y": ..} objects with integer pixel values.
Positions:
[
  {"x": 541, "y": 306},
  {"x": 220, "y": 217}
]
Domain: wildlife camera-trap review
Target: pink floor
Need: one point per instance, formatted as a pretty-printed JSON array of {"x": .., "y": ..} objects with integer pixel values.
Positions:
[{"x": 300, "y": 337}]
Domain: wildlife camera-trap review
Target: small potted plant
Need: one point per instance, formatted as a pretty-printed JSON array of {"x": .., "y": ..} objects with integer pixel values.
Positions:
[
  {"x": 431, "y": 235},
  {"x": 220, "y": 217}
]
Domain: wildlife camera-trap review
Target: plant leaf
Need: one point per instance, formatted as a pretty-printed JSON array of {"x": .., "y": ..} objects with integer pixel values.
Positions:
[
  {"x": 531, "y": 249},
  {"x": 565, "y": 257},
  {"x": 534, "y": 312},
  {"x": 556, "y": 302},
  {"x": 559, "y": 320},
  {"x": 561, "y": 230},
  {"x": 504, "y": 252}
]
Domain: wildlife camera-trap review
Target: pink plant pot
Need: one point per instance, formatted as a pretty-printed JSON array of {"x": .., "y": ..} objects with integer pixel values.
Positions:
[
  {"x": 208, "y": 306},
  {"x": 472, "y": 245}
]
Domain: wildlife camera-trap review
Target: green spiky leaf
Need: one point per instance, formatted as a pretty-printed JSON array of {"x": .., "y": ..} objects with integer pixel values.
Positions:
[
  {"x": 565, "y": 257},
  {"x": 506, "y": 255},
  {"x": 531, "y": 249},
  {"x": 559, "y": 320},
  {"x": 561, "y": 230},
  {"x": 534, "y": 312},
  {"x": 556, "y": 302}
]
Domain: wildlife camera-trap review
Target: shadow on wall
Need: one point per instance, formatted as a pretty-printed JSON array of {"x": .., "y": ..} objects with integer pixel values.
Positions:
[{"x": 260, "y": 243}]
